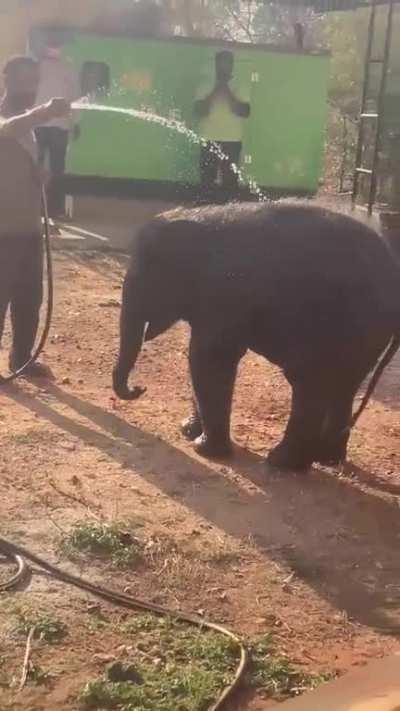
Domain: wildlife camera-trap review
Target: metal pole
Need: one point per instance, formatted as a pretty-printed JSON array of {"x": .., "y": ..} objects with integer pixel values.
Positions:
[
  {"x": 381, "y": 108},
  {"x": 360, "y": 142},
  {"x": 344, "y": 156}
]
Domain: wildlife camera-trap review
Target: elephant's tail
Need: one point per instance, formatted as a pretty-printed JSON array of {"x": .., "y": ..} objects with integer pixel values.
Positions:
[{"x": 389, "y": 354}]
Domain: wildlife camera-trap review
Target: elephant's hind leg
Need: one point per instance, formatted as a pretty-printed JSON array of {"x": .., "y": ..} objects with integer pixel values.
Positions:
[
  {"x": 309, "y": 407},
  {"x": 332, "y": 447},
  {"x": 213, "y": 370}
]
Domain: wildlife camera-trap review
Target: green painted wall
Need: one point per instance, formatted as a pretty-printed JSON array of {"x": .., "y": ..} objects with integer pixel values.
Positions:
[{"x": 284, "y": 139}]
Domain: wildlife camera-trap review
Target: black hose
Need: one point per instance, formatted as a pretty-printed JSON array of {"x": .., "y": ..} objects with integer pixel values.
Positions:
[
  {"x": 387, "y": 357},
  {"x": 50, "y": 300},
  {"x": 19, "y": 555}
]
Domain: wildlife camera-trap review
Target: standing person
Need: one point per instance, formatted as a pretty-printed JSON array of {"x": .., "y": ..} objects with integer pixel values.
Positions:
[
  {"x": 298, "y": 29},
  {"x": 21, "y": 241},
  {"x": 57, "y": 78},
  {"x": 221, "y": 115}
]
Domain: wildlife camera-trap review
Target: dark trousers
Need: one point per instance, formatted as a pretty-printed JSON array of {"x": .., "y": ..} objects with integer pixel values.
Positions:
[
  {"x": 210, "y": 163},
  {"x": 21, "y": 288},
  {"x": 53, "y": 141}
]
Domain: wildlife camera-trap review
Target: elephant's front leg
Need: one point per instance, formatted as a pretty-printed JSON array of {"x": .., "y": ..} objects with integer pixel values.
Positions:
[
  {"x": 298, "y": 449},
  {"x": 213, "y": 370}
]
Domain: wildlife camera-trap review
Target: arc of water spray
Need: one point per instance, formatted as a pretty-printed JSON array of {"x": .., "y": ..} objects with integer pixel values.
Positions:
[{"x": 86, "y": 105}]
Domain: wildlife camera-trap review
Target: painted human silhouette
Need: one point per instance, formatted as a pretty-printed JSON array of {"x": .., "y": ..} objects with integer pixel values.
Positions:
[{"x": 221, "y": 115}]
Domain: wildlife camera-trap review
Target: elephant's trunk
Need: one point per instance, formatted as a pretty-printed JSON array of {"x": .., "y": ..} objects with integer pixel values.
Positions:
[{"x": 132, "y": 331}]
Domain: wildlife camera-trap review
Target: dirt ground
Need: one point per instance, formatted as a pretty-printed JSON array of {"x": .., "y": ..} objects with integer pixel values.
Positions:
[{"x": 313, "y": 558}]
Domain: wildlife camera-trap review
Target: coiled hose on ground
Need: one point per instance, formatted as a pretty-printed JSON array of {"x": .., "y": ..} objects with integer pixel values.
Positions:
[{"x": 20, "y": 555}]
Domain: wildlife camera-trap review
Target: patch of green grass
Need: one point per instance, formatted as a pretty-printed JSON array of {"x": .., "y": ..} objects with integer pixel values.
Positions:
[
  {"x": 36, "y": 675},
  {"x": 174, "y": 690},
  {"x": 39, "y": 676},
  {"x": 175, "y": 642},
  {"x": 97, "y": 621},
  {"x": 102, "y": 540},
  {"x": 180, "y": 668},
  {"x": 145, "y": 623},
  {"x": 4, "y": 682},
  {"x": 47, "y": 629},
  {"x": 276, "y": 675}
]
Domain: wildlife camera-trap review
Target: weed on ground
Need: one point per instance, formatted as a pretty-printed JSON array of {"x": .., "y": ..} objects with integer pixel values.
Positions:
[
  {"x": 102, "y": 540},
  {"x": 173, "y": 667},
  {"x": 47, "y": 629},
  {"x": 276, "y": 676}
]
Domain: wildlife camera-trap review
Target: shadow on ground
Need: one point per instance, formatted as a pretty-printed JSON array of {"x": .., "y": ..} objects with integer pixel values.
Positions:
[{"x": 342, "y": 541}]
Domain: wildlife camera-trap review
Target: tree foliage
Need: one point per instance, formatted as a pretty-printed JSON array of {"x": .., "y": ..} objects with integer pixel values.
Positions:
[
  {"x": 347, "y": 48},
  {"x": 266, "y": 21},
  {"x": 263, "y": 21}
]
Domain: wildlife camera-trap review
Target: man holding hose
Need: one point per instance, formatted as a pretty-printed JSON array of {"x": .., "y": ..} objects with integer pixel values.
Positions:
[{"x": 21, "y": 243}]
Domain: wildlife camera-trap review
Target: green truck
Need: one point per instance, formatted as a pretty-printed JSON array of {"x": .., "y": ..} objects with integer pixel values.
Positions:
[{"x": 283, "y": 140}]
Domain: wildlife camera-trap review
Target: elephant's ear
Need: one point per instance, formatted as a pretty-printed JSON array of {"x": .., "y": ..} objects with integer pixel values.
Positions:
[{"x": 175, "y": 242}]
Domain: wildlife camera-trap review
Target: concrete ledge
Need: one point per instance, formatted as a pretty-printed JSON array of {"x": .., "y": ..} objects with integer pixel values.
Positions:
[
  {"x": 375, "y": 687},
  {"x": 101, "y": 223}
]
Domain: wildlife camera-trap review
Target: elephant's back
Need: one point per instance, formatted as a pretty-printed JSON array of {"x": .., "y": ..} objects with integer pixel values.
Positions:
[
  {"x": 343, "y": 249},
  {"x": 294, "y": 242},
  {"x": 301, "y": 259},
  {"x": 286, "y": 224}
]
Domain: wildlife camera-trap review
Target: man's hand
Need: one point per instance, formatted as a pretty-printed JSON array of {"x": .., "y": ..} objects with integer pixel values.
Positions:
[
  {"x": 240, "y": 108},
  {"x": 58, "y": 108}
]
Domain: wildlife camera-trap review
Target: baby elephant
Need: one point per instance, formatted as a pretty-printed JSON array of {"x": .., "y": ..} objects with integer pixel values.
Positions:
[{"x": 315, "y": 292}]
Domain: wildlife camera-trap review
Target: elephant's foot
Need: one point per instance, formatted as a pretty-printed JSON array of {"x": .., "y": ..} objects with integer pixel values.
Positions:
[
  {"x": 213, "y": 448},
  {"x": 288, "y": 459},
  {"x": 192, "y": 428},
  {"x": 331, "y": 453}
]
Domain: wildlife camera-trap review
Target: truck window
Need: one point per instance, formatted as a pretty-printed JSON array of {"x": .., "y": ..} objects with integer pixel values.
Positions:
[{"x": 95, "y": 78}]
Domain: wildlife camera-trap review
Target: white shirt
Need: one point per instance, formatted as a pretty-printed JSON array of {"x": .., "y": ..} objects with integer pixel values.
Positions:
[{"x": 58, "y": 80}]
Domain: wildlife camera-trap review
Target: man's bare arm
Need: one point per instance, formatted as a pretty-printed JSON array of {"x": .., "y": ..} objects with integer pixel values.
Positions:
[{"x": 19, "y": 125}]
